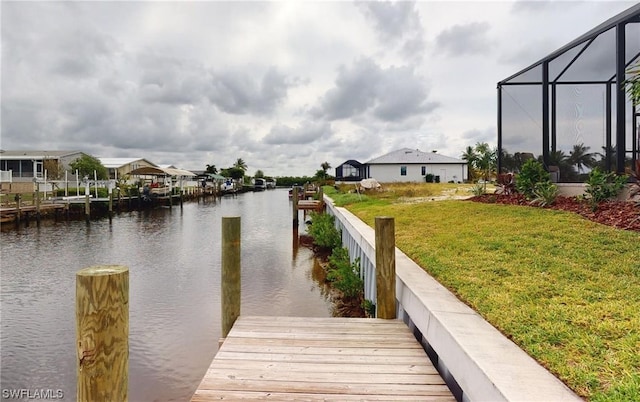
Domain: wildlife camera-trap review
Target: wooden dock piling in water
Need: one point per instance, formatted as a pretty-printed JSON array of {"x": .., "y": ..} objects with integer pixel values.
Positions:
[
  {"x": 230, "y": 281},
  {"x": 102, "y": 333}
]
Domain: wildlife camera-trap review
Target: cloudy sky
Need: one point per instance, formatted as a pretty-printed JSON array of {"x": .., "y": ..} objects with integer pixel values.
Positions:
[{"x": 283, "y": 85}]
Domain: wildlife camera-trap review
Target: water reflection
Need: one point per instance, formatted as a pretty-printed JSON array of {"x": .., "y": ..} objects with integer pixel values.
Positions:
[{"x": 173, "y": 257}]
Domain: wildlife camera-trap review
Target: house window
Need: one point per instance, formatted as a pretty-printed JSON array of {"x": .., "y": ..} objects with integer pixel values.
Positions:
[
  {"x": 424, "y": 170},
  {"x": 350, "y": 171},
  {"x": 403, "y": 170}
]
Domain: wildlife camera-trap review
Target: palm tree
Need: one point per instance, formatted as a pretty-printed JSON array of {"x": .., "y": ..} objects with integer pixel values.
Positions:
[
  {"x": 486, "y": 160},
  {"x": 325, "y": 166},
  {"x": 240, "y": 164},
  {"x": 602, "y": 163},
  {"x": 211, "y": 169},
  {"x": 581, "y": 158},
  {"x": 633, "y": 83},
  {"x": 561, "y": 160},
  {"x": 470, "y": 156},
  {"x": 510, "y": 163}
]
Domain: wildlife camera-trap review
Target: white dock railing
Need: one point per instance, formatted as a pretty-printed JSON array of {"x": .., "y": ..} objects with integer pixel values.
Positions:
[
  {"x": 474, "y": 358},
  {"x": 360, "y": 240}
]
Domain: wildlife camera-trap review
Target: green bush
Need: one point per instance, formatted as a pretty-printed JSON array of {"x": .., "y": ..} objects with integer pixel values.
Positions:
[
  {"x": 72, "y": 191},
  {"x": 344, "y": 274},
  {"x": 478, "y": 189},
  {"x": 544, "y": 194},
  {"x": 532, "y": 173},
  {"x": 603, "y": 186},
  {"x": 324, "y": 232}
]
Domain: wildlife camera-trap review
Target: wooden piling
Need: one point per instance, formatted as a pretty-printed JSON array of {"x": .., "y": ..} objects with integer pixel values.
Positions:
[
  {"x": 110, "y": 203},
  {"x": 87, "y": 204},
  {"x": 36, "y": 201},
  {"x": 18, "y": 199},
  {"x": 385, "y": 267},
  {"x": 294, "y": 198},
  {"x": 102, "y": 333},
  {"x": 230, "y": 282}
]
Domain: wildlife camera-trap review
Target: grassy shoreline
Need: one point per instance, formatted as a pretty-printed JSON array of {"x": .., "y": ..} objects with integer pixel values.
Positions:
[{"x": 565, "y": 289}]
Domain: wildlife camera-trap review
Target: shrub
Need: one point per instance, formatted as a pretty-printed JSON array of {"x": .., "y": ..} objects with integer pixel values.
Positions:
[
  {"x": 603, "y": 186},
  {"x": 324, "y": 232},
  {"x": 369, "y": 308},
  {"x": 532, "y": 173},
  {"x": 477, "y": 189},
  {"x": 506, "y": 183},
  {"x": 345, "y": 274},
  {"x": 544, "y": 194}
]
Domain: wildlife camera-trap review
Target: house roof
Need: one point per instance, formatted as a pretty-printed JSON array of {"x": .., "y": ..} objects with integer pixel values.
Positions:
[
  {"x": 35, "y": 154},
  {"x": 352, "y": 162},
  {"x": 158, "y": 171},
  {"x": 114, "y": 163},
  {"x": 215, "y": 176},
  {"x": 414, "y": 156}
]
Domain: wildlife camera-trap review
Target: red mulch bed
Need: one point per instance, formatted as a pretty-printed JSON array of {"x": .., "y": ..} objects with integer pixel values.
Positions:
[{"x": 619, "y": 214}]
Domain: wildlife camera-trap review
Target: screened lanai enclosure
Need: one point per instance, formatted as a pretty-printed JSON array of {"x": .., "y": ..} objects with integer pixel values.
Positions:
[{"x": 570, "y": 110}]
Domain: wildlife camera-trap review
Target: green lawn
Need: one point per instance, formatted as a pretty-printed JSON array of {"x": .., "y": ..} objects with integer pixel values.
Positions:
[{"x": 565, "y": 289}]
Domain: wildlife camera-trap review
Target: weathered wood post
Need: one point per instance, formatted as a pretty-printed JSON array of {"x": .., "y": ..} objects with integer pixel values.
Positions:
[
  {"x": 119, "y": 198},
  {"x": 385, "y": 267},
  {"x": 36, "y": 201},
  {"x": 18, "y": 198},
  {"x": 294, "y": 198},
  {"x": 230, "y": 282},
  {"x": 110, "y": 201},
  {"x": 87, "y": 203},
  {"x": 102, "y": 333}
]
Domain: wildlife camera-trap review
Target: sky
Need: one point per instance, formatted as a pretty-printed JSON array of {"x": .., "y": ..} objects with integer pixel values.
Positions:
[{"x": 285, "y": 86}]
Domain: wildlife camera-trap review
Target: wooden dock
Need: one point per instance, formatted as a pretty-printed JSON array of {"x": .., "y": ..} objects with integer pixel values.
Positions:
[
  {"x": 310, "y": 205},
  {"x": 290, "y": 358},
  {"x": 8, "y": 214}
]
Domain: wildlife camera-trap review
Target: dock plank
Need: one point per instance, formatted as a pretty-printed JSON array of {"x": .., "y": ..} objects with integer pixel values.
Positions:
[{"x": 285, "y": 358}]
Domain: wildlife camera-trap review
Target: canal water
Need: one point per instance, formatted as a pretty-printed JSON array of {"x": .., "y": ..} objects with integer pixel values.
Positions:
[{"x": 174, "y": 261}]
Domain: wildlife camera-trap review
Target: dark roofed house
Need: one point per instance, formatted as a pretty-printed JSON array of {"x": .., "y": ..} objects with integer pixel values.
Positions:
[{"x": 351, "y": 170}]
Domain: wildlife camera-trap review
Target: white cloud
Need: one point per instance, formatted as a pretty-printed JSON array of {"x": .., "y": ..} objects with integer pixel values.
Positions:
[{"x": 283, "y": 85}]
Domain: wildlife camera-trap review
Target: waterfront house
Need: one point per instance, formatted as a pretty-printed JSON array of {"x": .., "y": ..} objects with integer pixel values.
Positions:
[
  {"x": 413, "y": 165},
  {"x": 121, "y": 167},
  {"x": 25, "y": 166}
]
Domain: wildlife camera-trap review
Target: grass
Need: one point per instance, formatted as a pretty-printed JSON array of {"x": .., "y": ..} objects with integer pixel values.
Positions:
[
  {"x": 565, "y": 289},
  {"x": 398, "y": 192}
]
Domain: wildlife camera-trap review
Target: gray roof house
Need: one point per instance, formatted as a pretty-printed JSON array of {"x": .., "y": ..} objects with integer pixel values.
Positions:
[
  {"x": 27, "y": 165},
  {"x": 413, "y": 165}
]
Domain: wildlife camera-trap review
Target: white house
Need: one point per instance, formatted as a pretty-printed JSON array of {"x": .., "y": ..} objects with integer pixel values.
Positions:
[{"x": 413, "y": 165}]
